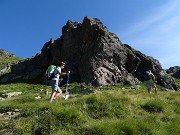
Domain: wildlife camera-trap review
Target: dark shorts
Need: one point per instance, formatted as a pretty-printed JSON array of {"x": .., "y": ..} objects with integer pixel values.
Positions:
[
  {"x": 55, "y": 85},
  {"x": 150, "y": 84}
]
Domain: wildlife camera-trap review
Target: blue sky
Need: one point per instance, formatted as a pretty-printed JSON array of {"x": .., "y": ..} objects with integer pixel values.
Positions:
[{"x": 150, "y": 26}]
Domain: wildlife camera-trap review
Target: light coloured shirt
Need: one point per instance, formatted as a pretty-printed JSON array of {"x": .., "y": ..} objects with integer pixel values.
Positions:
[{"x": 56, "y": 72}]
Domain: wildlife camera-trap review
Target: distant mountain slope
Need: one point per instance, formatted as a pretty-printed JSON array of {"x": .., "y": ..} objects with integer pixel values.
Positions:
[
  {"x": 7, "y": 59},
  {"x": 5, "y": 54}
]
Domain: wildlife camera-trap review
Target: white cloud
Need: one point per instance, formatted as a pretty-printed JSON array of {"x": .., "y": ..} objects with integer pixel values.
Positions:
[{"x": 158, "y": 35}]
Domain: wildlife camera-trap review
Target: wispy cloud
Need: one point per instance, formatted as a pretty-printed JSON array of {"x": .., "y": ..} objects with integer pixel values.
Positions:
[{"x": 158, "y": 34}]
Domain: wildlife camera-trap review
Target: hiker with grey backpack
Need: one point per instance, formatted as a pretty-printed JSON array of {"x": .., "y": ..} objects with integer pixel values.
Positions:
[
  {"x": 150, "y": 80},
  {"x": 53, "y": 73}
]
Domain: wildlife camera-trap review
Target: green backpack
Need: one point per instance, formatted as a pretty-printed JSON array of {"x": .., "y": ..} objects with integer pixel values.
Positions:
[{"x": 50, "y": 72}]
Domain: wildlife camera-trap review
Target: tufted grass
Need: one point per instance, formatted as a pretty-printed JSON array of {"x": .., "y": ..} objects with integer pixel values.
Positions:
[
  {"x": 112, "y": 110},
  {"x": 12, "y": 59}
]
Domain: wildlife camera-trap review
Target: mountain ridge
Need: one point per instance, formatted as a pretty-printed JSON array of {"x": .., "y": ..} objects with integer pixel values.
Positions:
[{"x": 94, "y": 55}]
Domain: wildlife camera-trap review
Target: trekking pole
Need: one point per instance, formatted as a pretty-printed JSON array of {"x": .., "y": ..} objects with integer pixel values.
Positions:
[{"x": 66, "y": 96}]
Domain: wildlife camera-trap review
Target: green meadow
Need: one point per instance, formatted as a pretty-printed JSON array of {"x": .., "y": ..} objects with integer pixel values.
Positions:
[{"x": 108, "y": 110}]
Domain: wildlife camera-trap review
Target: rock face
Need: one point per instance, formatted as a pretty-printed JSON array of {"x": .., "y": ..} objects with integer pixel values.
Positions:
[
  {"x": 174, "y": 71},
  {"x": 94, "y": 55}
]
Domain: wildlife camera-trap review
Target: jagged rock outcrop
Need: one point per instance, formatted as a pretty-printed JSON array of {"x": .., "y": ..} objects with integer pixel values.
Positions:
[
  {"x": 94, "y": 55},
  {"x": 174, "y": 71}
]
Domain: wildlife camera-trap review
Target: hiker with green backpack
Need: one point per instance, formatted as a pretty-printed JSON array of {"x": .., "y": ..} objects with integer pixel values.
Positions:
[
  {"x": 53, "y": 73},
  {"x": 150, "y": 80}
]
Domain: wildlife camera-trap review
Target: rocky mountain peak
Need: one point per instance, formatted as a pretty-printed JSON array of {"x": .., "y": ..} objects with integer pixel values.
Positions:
[{"x": 94, "y": 55}]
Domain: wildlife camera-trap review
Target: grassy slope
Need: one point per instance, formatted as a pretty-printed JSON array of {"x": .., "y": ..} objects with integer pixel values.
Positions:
[
  {"x": 10, "y": 60},
  {"x": 111, "y": 110}
]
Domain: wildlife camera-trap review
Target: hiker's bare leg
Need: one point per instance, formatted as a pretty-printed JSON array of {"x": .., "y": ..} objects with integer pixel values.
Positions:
[
  {"x": 148, "y": 88},
  {"x": 52, "y": 96},
  {"x": 57, "y": 94},
  {"x": 155, "y": 88}
]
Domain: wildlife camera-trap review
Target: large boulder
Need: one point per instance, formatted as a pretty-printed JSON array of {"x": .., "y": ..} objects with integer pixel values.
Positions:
[{"x": 94, "y": 55}]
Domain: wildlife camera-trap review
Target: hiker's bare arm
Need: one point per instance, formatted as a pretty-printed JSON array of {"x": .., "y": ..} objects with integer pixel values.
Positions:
[{"x": 60, "y": 73}]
